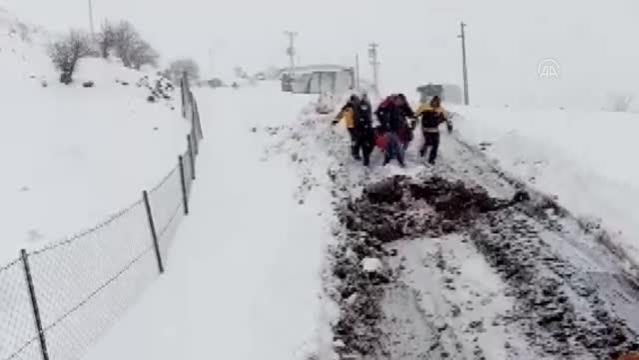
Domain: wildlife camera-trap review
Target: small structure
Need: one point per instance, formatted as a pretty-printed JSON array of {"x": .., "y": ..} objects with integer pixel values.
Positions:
[
  {"x": 319, "y": 79},
  {"x": 449, "y": 93},
  {"x": 213, "y": 83}
]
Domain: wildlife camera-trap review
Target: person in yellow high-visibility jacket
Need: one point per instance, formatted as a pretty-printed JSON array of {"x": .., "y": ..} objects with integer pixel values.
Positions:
[
  {"x": 432, "y": 115},
  {"x": 348, "y": 114}
]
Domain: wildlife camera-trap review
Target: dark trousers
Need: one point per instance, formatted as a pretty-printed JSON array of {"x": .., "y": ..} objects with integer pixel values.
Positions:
[
  {"x": 431, "y": 139},
  {"x": 362, "y": 142},
  {"x": 395, "y": 148},
  {"x": 355, "y": 145},
  {"x": 366, "y": 141}
]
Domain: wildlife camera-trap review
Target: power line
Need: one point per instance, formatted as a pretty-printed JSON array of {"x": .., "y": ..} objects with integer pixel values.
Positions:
[
  {"x": 356, "y": 75},
  {"x": 91, "y": 26}
]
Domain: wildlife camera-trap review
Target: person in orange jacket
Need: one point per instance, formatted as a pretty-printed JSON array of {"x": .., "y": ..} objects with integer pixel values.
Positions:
[
  {"x": 348, "y": 114},
  {"x": 432, "y": 115}
]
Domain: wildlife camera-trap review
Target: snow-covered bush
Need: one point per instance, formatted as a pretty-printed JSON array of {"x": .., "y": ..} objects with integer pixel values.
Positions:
[
  {"x": 107, "y": 39},
  {"x": 178, "y": 67},
  {"x": 66, "y": 52},
  {"x": 619, "y": 102},
  {"x": 127, "y": 43}
]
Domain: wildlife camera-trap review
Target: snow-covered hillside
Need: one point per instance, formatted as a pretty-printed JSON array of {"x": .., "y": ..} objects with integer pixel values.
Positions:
[
  {"x": 73, "y": 155},
  {"x": 586, "y": 159}
]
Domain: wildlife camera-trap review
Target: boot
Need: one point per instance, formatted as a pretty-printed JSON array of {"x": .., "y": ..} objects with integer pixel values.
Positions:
[{"x": 354, "y": 152}]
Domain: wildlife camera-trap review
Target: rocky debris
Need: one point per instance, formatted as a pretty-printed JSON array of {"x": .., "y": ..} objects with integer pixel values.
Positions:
[
  {"x": 88, "y": 84},
  {"x": 372, "y": 265},
  {"x": 357, "y": 265},
  {"x": 159, "y": 88},
  {"x": 391, "y": 209},
  {"x": 548, "y": 290},
  {"x": 555, "y": 305},
  {"x": 484, "y": 145}
]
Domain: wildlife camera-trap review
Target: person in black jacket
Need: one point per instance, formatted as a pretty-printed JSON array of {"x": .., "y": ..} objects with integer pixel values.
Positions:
[
  {"x": 407, "y": 121},
  {"x": 364, "y": 126},
  {"x": 392, "y": 114},
  {"x": 432, "y": 115}
]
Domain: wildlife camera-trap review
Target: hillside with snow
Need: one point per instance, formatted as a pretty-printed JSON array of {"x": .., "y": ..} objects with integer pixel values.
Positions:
[
  {"x": 72, "y": 155},
  {"x": 584, "y": 159}
]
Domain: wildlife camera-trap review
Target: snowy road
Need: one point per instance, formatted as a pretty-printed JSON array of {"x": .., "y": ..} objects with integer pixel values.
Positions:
[
  {"x": 243, "y": 278},
  {"x": 520, "y": 280},
  {"x": 470, "y": 279}
]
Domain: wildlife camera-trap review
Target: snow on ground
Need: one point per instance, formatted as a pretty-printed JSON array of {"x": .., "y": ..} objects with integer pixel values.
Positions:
[
  {"x": 585, "y": 159},
  {"x": 513, "y": 283},
  {"x": 244, "y": 275},
  {"x": 73, "y": 155}
]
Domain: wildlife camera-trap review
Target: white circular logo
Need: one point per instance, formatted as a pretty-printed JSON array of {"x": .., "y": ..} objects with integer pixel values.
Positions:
[{"x": 548, "y": 69}]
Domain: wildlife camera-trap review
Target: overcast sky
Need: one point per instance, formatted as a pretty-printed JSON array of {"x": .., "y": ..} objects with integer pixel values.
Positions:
[{"x": 593, "y": 42}]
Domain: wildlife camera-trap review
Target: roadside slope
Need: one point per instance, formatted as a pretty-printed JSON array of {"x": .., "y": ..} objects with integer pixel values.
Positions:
[{"x": 75, "y": 155}]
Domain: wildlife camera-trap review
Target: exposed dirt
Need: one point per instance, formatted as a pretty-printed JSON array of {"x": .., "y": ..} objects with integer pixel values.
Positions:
[
  {"x": 555, "y": 306},
  {"x": 399, "y": 207}
]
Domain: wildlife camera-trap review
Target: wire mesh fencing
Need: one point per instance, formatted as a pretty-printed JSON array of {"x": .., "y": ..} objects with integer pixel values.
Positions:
[
  {"x": 167, "y": 203},
  {"x": 57, "y": 301},
  {"x": 18, "y": 333},
  {"x": 96, "y": 277}
]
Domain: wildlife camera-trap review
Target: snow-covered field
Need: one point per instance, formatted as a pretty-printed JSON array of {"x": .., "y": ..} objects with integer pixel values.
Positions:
[
  {"x": 585, "y": 159},
  {"x": 71, "y": 155}
]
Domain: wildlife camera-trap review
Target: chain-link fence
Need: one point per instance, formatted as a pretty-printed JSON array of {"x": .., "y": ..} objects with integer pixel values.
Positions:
[{"x": 56, "y": 302}]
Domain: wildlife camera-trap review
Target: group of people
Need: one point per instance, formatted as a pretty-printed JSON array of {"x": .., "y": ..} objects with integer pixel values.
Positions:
[{"x": 397, "y": 121}]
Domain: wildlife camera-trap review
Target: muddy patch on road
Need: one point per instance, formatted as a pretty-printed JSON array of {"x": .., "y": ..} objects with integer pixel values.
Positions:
[{"x": 555, "y": 307}]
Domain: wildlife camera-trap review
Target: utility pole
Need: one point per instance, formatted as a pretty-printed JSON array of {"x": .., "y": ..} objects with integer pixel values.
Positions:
[
  {"x": 462, "y": 36},
  {"x": 91, "y": 26},
  {"x": 357, "y": 85},
  {"x": 372, "y": 54},
  {"x": 290, "y": 51},
  {"x": 211, "y": 63}
]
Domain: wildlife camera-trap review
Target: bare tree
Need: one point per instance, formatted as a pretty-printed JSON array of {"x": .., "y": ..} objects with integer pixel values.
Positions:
[
  {"x": 141, "y": 53},
  {"x": 620, "y": 102},
  {"x": 107, "y": 38},
  {"x": 240, "y": 73},
  {"x": 66, "y": 52},
  {"x": 179, "y": 67},
  {"x": 125, "y": 37},
  {"x": 127, "y": 43}
]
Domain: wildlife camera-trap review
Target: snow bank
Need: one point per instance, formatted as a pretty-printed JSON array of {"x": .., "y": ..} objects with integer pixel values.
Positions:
[
  {"x": 585, "y": 159},
  {"x": 73, "y": 155}
]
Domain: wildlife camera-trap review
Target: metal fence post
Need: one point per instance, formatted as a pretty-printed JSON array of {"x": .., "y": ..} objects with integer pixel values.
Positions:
[
  {"x": 34, "y": 304},
  {"x": 197, "y": 117},
  {"x": 195, "y": 142},
  {"x": 183, "y": 93},
  {"x": 185, "y": 197},
  {"x": 156, "y": 245},
  {"x": 193, "y": 122},
  {"x": 189, "y": 140}
]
